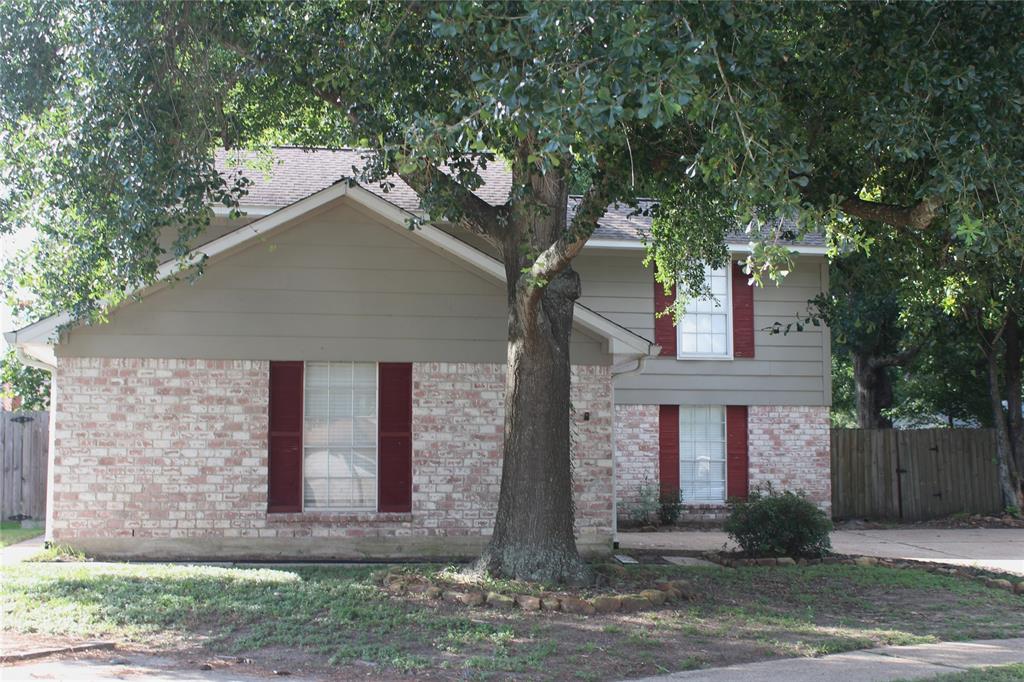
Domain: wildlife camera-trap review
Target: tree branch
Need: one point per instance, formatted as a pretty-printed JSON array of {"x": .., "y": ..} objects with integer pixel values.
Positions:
[
  {"x": 896, "y": 359},
  {"x": 557, "y": 257},
  {"x": 476, "y": 214},
  {"x": 918, "y": 217}
]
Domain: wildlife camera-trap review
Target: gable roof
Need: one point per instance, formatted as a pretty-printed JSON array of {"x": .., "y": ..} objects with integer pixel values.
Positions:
[
  {"x": 295, "y": 173},
  {"x": 37, "y": 339}
]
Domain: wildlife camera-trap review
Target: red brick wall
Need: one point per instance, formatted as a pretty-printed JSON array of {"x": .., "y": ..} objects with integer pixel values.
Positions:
[
  {"x": 636, "y": 452},
  {"x": 789, "y": 448},
  {"x": 177, "y": 449},
  {"x": 458, "y": 412},
  {"x": 159, "y": 448}
]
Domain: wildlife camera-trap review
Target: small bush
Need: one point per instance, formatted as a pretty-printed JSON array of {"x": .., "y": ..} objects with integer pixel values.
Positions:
[
  {"x": 772, "y": 524},
  {"x": 671, "y": 505},
  {"x": 645, "y": 504}
]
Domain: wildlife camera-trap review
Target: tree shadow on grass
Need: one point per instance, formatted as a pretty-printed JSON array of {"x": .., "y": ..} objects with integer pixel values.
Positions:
[{"x": 338, "y": 615}]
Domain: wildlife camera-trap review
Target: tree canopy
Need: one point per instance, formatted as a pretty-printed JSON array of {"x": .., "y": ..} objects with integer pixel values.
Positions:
[{"x": 732, "y": 114}]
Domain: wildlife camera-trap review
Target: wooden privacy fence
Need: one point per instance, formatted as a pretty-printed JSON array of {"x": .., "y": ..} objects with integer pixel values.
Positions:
[
  {"x": 24, "y": 437},
  {"x": 913, "y": 475}
]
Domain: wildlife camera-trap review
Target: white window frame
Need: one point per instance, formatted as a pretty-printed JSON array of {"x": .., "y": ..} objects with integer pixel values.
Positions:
[
  {"x": 728, "y": 354},
  {"x": 725, "y": 456},
  {"x": 376, "y": 446}
]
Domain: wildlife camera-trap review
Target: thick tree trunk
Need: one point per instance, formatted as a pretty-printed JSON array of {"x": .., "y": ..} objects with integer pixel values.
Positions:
[
  {"x": 534, "y": 528},
  {"x": 533, "y": 532},
  {"x": 874, "y": 392},
  {"x": 1009, "y": 477}
]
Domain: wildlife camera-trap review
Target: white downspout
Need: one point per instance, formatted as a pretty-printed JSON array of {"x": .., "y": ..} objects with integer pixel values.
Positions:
[{"x": 641, "y": 364}]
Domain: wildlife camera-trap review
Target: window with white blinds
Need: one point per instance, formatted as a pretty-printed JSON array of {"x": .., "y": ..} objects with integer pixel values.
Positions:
[
  {"x": 339, "y": 464},
  {"x": 704, "y": 327},
  {"x": 702, "y": 457}
]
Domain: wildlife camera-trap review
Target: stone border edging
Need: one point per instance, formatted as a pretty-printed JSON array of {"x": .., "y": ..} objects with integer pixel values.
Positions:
[
  {"x": 53, "y": 651},
  {"x": 663, "y": 592}
]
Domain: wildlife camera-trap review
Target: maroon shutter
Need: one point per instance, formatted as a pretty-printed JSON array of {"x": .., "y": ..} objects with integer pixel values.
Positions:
[
  {"x": 668, "y": 448},
  {"x": 742, "y": 314},
  {"x": 737, "y": 470},
  {"x": 664, "y": 325},
  {"x": 394, "y": 449},
  {"x": 284, "y": 474}
]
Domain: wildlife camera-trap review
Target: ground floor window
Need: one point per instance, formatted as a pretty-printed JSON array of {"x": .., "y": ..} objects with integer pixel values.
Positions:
[
  {"x": 702, "y": 454},
  {"x": 339, "y": 463}
]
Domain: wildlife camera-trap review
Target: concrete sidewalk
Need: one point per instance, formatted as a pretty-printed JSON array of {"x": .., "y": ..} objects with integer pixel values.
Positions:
[
  {"x": 999, "y": 549},
  {"x": 870, "y": 665},
  {"x": 16, "y": 553}
]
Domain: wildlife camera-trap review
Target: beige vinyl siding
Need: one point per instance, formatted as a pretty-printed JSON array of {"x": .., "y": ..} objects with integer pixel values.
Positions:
[
  {"x": 338, "y": 286},
  {"x": 788, "y": 369}
]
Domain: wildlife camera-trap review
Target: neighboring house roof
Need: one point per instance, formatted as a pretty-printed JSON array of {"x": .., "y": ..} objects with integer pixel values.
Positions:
[
  {"x": 37, "y": 339},
  {"x": 295, "y": 174}
]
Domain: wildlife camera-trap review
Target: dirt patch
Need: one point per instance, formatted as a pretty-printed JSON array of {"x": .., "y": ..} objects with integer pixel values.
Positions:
[{"x": 336, "y": 622}]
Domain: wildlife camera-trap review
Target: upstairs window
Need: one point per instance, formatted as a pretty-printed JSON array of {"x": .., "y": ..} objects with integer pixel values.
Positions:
[{"x": 704, "y": 329}]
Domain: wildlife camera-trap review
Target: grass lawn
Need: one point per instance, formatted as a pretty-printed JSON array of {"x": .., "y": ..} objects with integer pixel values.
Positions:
[
  {"x": 11, "y": 532},
  {"x": 997, "y": 673},
  {"x": 336, "y": 619}
]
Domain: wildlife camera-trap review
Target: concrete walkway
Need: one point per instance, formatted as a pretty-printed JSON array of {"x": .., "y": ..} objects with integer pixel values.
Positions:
[
  {"x": 18, "y": 552},
  {"x": 1000, "y": 549},
  {"x": 870, "y": 665}
]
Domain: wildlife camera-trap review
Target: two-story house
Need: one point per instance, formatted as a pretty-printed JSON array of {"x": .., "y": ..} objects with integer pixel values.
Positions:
[{"x": 332, "y": 386}]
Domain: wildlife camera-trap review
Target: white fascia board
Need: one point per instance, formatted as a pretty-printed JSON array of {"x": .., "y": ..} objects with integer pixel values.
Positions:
[
  {"x": 254, "y": 210},
  {"x": 38, "y": 355},
  {"x": 637, "y": 245},
  {"x": 42, "y": 331}
]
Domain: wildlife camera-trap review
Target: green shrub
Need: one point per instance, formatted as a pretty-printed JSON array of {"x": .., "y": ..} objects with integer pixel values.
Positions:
[
  {"x": 644, "y": 505},
  {"x": 670, "y": 506},
  {"x": 772, "y": 524}
]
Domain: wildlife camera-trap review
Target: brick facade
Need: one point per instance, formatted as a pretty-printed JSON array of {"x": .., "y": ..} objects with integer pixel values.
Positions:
[
  {"x": 159, "y": 448},
  {"x": 636, "y": 453},
  {"x": 152, "y": 455},
  {"x": 788, "y": 447}
]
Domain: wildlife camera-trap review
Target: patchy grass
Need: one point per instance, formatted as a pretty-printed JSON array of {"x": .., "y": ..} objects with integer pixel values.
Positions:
[
  {"x": 997, "y": 673},
  {"x": 11, "y": 533},
  {"x": 57, "y": 553},
  {"x": 322, "y": 618}
]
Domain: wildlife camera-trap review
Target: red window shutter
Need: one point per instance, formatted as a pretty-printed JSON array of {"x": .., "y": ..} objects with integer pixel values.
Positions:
[
  {"x": 737, "y": 470},
  {"x": 284, "y": 475},
  {"x": 742, "y": 314},
  {"x": 394, "y": 436},
  {"x": 668, "y": 448},
  {"x": 664, "y": 325}
]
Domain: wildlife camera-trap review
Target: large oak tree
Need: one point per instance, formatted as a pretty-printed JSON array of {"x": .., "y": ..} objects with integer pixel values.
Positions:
[{"x": 110, "y": 113}]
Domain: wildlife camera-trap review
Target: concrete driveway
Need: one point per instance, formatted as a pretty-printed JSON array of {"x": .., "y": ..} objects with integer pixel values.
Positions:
[{"x": 1000, "y": 549}]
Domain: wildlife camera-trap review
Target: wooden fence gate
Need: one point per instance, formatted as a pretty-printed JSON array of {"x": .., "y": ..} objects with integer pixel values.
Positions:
[
  {"x": 913, "y": 475},
  {"x": 24, "y": 437}
]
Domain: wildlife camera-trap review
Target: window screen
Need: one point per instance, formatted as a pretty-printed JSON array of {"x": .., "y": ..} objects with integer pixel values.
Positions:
[{"x": 340, "y": 437}]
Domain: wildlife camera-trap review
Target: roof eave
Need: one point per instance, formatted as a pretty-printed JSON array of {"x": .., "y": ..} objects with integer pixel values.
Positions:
[
  {"x": 637, "y": 245},
  {"x": 620, "y": 340}
]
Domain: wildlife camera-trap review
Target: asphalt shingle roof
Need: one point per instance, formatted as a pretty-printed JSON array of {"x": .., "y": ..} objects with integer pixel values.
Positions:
[{"x": 295, "y": 174}]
